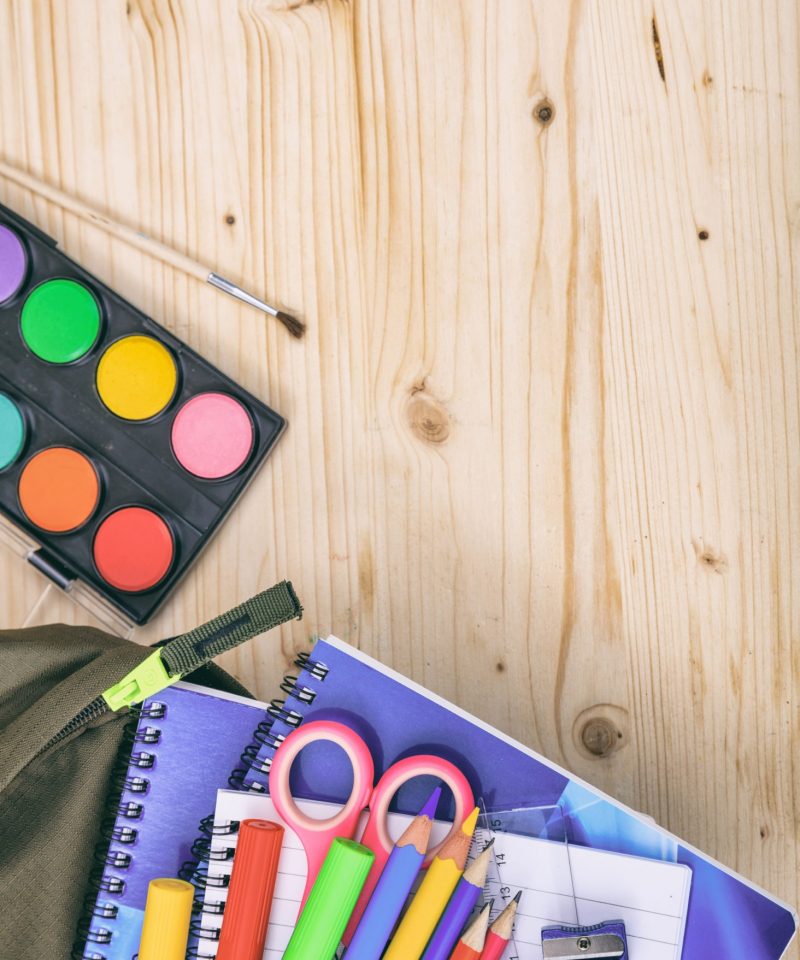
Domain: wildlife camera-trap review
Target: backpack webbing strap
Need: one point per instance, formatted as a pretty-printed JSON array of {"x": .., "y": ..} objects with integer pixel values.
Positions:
[
  {"x": 190, "y": 651},
  {"x": 260, "y": 613}
]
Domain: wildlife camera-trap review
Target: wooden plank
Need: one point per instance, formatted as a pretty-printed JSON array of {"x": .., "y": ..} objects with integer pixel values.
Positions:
[{"x": 543, "y": 450}]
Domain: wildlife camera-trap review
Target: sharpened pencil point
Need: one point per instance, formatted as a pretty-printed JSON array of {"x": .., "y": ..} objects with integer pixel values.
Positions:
[
  {"x": 517, "y": 896},
  {"x": 429, "y": 810}
]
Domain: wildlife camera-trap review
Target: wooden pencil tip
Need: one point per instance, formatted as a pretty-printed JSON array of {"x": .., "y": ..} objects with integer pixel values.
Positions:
[
  {"x": 477, "y": 870},
  {"x": 475, "y": 934},
  {"x": 517, "y": 896},
  {"x": 296, "y": 327}
]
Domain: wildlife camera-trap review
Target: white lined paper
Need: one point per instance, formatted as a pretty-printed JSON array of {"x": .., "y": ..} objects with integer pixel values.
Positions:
[{"x": 649, "y": 895}]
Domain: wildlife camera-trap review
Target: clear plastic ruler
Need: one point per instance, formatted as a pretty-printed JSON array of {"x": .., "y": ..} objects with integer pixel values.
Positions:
[
  {"x": 546, "y": 822},
  {"x": 569, "y": 941}
]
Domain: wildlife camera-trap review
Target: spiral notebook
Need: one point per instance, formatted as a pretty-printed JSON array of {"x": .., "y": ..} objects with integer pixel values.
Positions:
[
  {"x": 727, "y": 916},
  {"x": 183, "y": 748},
  {"x": 651, "y": 896}
]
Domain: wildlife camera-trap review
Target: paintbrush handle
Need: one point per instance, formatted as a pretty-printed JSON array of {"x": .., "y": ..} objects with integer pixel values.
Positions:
[
  {"x": 148, "y": 245},
  {"x": 115, "y": 229}
]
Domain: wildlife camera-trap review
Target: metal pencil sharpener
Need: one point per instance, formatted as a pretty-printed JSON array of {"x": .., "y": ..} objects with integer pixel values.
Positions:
[{"x": 605, "y": 940}]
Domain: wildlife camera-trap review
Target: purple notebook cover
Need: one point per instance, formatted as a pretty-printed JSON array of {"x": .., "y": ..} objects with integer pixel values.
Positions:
[
  {"x": 728, "y": 917},
  {"x": 201, "y": 736}
]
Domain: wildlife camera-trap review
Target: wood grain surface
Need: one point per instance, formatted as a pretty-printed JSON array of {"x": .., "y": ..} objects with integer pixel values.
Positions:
[{"x": 544, "y": 444}]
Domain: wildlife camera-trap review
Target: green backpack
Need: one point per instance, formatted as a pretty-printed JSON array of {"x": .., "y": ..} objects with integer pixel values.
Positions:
[{"x": 59, "y": 742}]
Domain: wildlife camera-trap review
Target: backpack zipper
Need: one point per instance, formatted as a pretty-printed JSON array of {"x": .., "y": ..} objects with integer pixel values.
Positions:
[
  {"x": 187, "y": 652},
  {"x": 91, "y": 712}
]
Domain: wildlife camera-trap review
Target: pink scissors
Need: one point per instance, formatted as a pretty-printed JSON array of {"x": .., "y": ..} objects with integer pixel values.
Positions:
[{"x": 316, "y": 835}]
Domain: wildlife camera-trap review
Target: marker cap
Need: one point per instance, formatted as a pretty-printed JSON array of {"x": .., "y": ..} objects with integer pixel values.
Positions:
[
  {"x": 331, "y": 901},
  {"x": 166, "y": 920},
  {"x": 247, "y": 908}
]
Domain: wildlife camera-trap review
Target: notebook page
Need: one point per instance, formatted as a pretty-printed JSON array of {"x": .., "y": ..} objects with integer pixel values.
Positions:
[
  {"x": 292, "y": 870},
  {"x": 650, "y": 896}
]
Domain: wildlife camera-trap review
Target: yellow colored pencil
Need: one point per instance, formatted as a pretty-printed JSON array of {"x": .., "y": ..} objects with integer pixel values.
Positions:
[{"x": 426, "y": 908}]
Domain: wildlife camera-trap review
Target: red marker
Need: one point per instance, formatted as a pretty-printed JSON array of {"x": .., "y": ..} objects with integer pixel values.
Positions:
[{"x": 255, "y": 867}]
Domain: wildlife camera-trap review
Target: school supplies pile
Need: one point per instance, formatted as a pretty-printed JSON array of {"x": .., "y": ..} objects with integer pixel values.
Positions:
[
  {"x": 353, "y": 817},
  {"x": 619, "y": 865},
  {"x": 536, "y": 876}
]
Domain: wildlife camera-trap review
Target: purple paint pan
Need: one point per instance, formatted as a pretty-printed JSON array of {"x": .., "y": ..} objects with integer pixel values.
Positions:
[{"x": 13, "y": 263}]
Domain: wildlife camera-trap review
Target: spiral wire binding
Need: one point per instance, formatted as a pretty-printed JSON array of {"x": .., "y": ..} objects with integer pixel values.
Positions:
[
  {"x": 253, "y": 761},
  {"x": 104, "y": 878}
]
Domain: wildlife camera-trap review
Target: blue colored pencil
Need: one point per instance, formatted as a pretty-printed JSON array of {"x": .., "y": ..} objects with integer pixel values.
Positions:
[
  {"x": 458, "y": 910},
  {"x": 394, "y": 886}
]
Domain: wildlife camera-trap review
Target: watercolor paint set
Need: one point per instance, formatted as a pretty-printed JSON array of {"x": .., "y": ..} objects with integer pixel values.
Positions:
[{"x": 121, "y": 449}]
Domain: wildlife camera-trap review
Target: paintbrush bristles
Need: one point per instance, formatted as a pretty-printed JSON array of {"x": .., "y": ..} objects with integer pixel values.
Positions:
[
  {"x": 504, "y": 924},
  {"x": 477, "y": 870},
  {"x": 296, "y": 327}
]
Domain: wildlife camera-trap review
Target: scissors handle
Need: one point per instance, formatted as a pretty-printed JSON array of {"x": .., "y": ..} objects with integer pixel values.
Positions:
[
  {"x": 315, "y": 835},
  {"x": 376, "y": 833}
]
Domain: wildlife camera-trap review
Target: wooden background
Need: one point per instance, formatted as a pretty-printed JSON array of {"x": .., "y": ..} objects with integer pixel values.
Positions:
[{"x": 544, "y": 445}]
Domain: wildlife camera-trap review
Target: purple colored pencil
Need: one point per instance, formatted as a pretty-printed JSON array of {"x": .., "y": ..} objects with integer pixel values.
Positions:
[
  {"x": 393, "y": 887},
  {"x": 459, "y": 908}
]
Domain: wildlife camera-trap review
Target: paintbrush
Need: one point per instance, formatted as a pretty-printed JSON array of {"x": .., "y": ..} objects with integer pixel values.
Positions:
[{"x": 146, "y": 244}]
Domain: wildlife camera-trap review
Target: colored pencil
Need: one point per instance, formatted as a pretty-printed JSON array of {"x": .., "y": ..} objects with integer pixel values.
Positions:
[
  {"x": 423, "y": 914},
  {"x": 500, "y": 931},
  {"x": 394, "y": 886},
  {"x": 458, "y": 910},
  {"x": 146, "y": 244},
  {"x": 470, "y": 945}
]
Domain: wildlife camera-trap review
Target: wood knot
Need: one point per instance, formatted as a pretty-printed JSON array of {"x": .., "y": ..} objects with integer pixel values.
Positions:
[
  {"x": 600, "y": 731},
  {"x": 713, "y": 561},
  {"x": 230, "y": 219},
  {"x": 544, "y": 112},
  {"x": 428, "y": 418},
  {"x": 702, "y": 234}
]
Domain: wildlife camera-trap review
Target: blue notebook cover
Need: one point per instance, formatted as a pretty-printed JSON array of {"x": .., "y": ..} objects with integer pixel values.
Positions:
[
  {"x": 728, "y": 917},
  {"x": 188, "y": 740}
]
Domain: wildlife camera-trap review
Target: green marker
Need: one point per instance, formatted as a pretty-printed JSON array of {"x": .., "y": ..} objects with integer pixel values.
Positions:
[{"x": 319, "y": 930}]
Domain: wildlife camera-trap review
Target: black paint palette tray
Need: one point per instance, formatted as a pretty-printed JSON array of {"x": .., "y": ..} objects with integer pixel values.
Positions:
[{"x": 121, "y": 449}]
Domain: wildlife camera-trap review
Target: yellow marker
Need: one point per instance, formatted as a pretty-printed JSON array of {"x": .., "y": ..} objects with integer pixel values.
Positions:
[
  {"x": 426, "y": 908},
  {"x": 136, "y": 377},
  {"x": 166, "y": 920}
]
